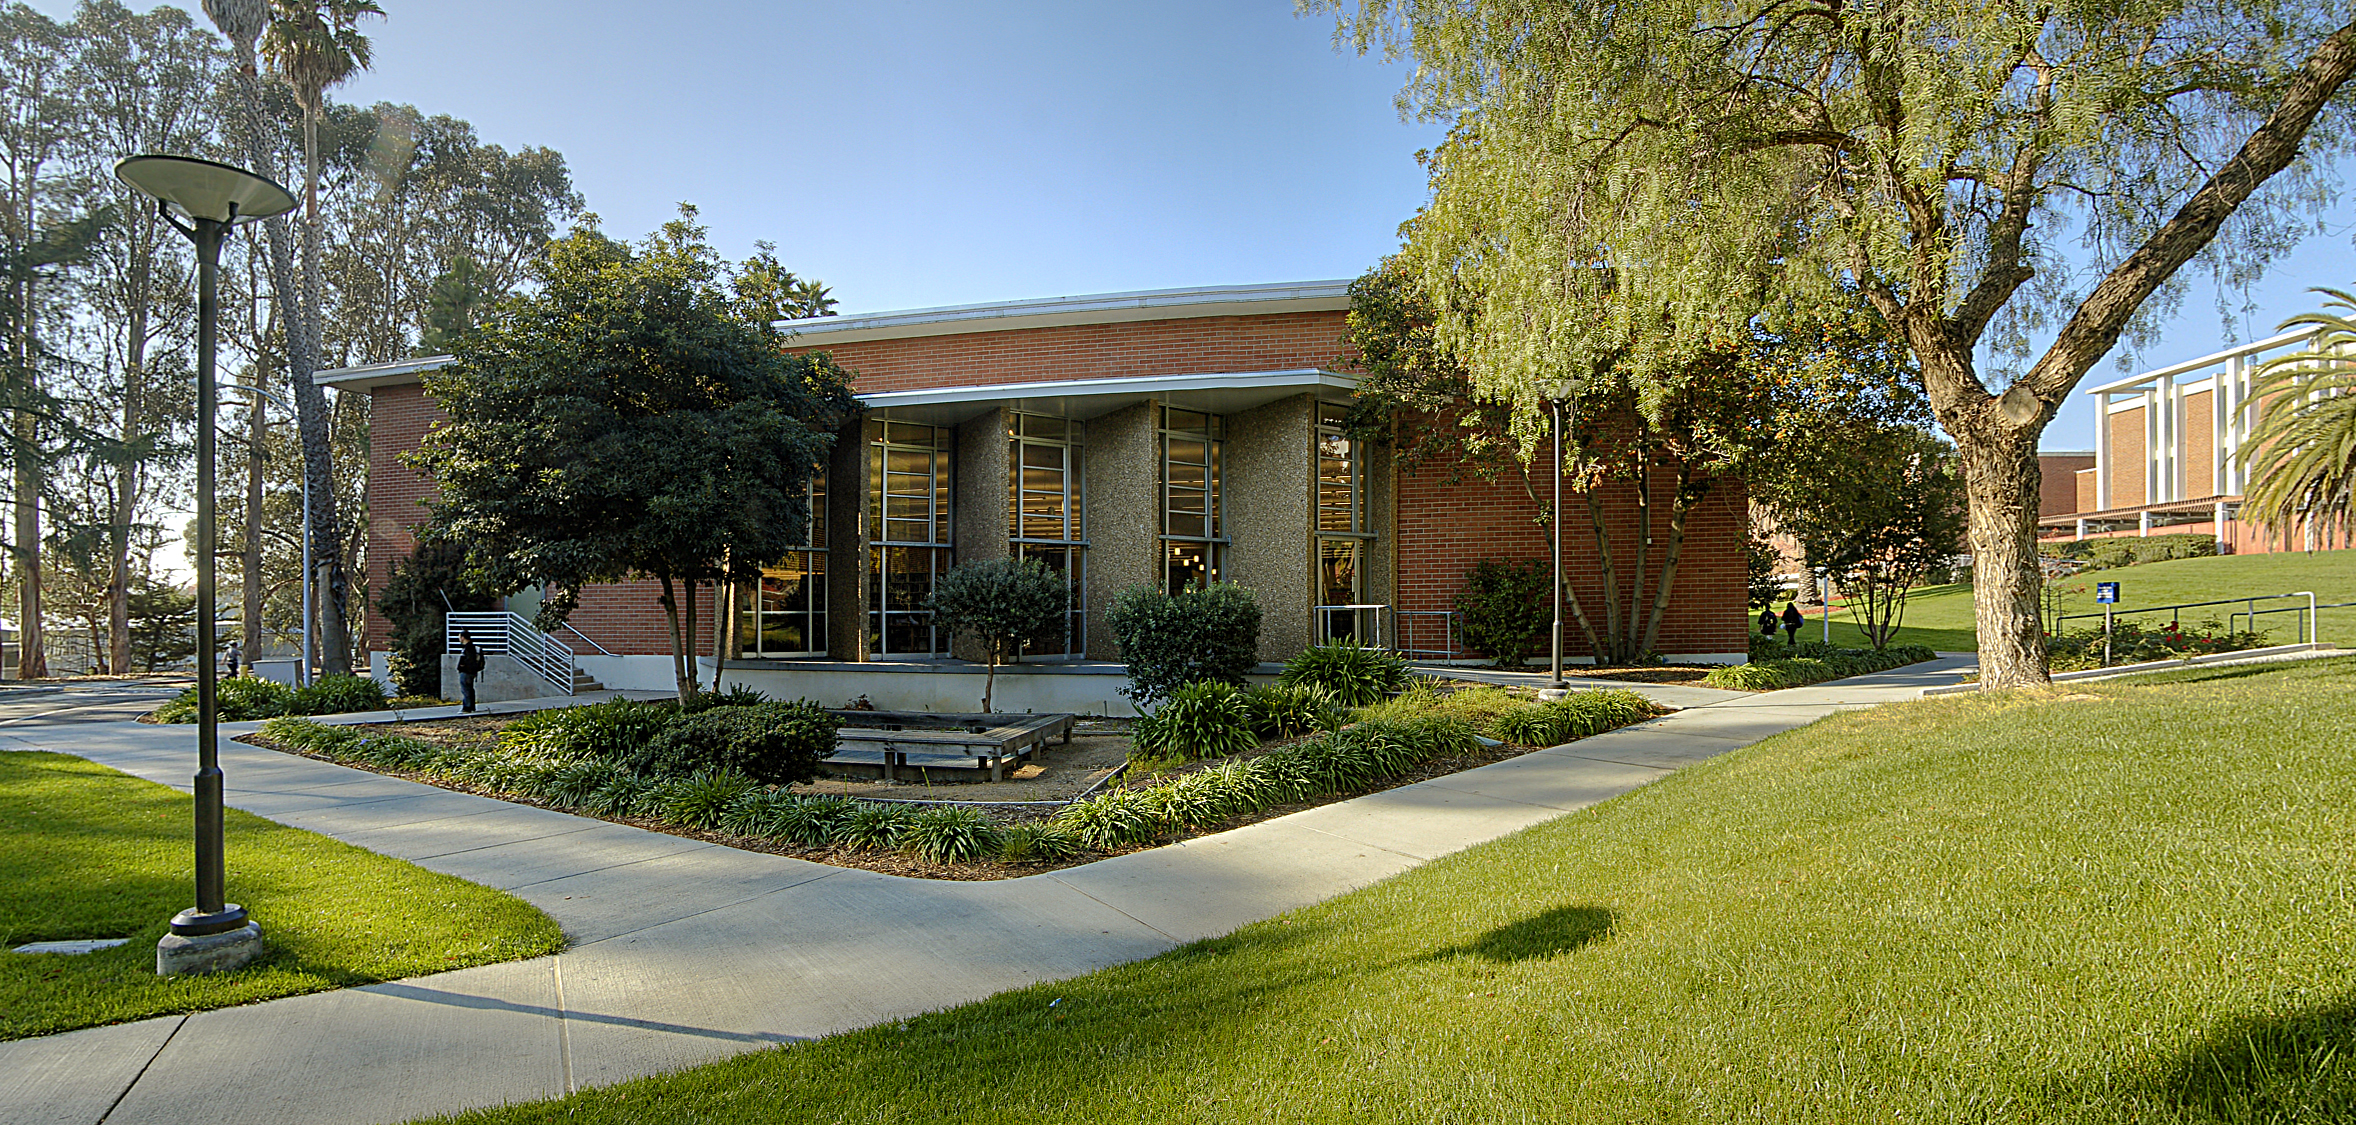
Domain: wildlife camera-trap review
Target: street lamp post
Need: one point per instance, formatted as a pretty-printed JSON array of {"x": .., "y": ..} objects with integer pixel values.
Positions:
[
  {"x": 204, "y": 200},
  {"x": 1558, "y": 688},
  {"x": 303, "y": 668}
]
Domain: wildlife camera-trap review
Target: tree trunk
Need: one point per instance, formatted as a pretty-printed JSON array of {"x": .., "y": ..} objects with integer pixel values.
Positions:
[
  {"x": 118, "y": 585},
  {"x": 2000, "y": 480},
  {"x": 1679, "y": 509},
  {"x": 32, "y": 657},
  {"x": 250, "y": 559},
  {"x": 311, "y": 421},
  {"x": 1628, "y": 650},
  {"x": 1609, "y": 649},
  {"x": 990, "y": 681},
  {"x": 679, "y": 646}
]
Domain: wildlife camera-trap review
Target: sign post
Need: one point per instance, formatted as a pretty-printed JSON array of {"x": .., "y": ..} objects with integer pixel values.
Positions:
[{"x": 2107, "y": 595}]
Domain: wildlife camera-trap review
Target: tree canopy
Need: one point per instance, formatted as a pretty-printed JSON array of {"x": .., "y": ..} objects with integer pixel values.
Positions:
[
  {"x": 625, "y": 420},
  {"x": 1624, "y": 184}
]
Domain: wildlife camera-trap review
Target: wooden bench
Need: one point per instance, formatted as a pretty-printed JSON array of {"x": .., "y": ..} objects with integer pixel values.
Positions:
[{"x": 941, "y": 739}]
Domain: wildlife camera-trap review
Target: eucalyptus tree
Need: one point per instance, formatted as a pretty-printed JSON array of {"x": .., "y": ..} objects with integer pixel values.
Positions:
[
  {"x": 311, "y": 46},
  {"x": 1624, "y": 183},
  {"x": 142, "y": 83},
  {"x": 37, "y": 120}
]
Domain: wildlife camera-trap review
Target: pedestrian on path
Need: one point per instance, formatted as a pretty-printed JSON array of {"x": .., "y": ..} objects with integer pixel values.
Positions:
[
  {"x": 470, "y": 661},
  {"x": 1767, "y": 623},
  {"x": 1791, "y": 624},
  {"x": 235, "y": 656}
]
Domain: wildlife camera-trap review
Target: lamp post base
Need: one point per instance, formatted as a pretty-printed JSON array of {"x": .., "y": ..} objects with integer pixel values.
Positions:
[
  {"x": 208, "y": 943},
  {"x": 1552, "y": 692}
]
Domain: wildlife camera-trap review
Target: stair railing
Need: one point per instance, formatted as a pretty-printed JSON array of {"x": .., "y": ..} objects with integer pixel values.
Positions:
[{"x": 501, "y": 633}]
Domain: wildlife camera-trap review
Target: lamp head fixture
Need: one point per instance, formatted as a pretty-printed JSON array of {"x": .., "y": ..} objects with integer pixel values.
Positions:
[{"x": 193, "y": 189}]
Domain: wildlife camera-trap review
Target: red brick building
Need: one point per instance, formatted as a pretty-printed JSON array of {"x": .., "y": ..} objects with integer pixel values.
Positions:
[{"x": 1163, "y": 437}]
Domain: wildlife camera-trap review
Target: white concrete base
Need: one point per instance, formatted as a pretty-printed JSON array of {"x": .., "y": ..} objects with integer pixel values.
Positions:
[{"x": 212, "y": 953}]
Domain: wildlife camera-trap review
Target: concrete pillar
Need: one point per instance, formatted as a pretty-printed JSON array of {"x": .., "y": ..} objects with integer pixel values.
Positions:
[
  {"x": 2081, "y": 529},
  {"x": 977, "y": 507},
  {"x": 1270, "y": 494},
  {"x": 2143, "y": 523},
  {"x": 846, "y": 544},
  {"x": 1121, "y": 468}
]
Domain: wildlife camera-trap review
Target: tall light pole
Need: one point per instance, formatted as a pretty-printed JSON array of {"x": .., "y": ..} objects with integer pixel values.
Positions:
[
  {"x": 204, "y": 200},
  {"x": 302, "y": 669},
  {"x": 1557, "y": 689}
]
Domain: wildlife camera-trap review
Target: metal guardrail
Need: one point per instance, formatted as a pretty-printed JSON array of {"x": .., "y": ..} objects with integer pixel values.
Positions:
[
  {"x": 502, "y": 633},
  {"x": 2176, "y": 612},
  {"x": 1409, "y": 634},
  {"x": 2313, "y": 626},
  {"x": 1356, "y": 616}
]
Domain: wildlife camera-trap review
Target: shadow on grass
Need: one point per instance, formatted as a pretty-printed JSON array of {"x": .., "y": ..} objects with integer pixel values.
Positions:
[
  {"x": 2286, "y": 1067},
  {"x": 1559, "y": 930}
]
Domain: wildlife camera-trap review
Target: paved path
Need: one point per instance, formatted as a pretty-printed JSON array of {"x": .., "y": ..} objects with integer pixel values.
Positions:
[{"x": 683, "y": 951}]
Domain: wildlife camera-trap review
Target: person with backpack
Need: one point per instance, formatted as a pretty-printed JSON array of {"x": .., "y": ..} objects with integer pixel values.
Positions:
[
  {"x": 1791, "y": 625},
  {"x": 470, "y": 662},
  {"x": 1767, "y": 623}
]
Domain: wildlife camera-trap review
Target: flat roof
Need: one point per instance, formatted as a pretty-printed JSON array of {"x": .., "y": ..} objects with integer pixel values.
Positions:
[
  {"x": 951, "y": 320},
  {"x": 2213, "y": 359},
  {"x": 1209, "y": 392}
]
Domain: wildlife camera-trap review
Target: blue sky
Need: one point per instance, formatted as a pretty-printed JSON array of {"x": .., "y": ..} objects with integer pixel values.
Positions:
[{"x": 916, "y": 152}]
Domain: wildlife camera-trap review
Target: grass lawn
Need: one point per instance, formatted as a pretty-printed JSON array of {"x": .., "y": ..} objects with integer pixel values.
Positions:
[
  {"x": 1941, "y": 616},
  {"x": 2104, "y": 903},
  {"x": 87, "y": 852}
]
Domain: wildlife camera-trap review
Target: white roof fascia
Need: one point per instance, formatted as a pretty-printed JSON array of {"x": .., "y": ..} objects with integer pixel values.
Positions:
[
  {"x": 2137, "y": 382},
  {"x": 370, "y": 376},
  {"x": 1304, "y": 378},
  {"x": 1050, "y": 312}
]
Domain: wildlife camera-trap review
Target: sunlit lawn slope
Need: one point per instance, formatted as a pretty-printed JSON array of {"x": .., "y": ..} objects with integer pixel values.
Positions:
[
  {"x": 86, "y": 852},
  {"x": 2114, "y": 903}
]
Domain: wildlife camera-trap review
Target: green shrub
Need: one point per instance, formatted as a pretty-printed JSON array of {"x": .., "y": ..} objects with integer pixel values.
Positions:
[
  {"x": 1200, "y": 720},
  {"x": 1812, "y": 662},
  {"x": 1171, "y": 640},
  {"x": 1351, "y": 673},
  {"x": 1291, "y": 710},
  {"x": 1579, "y": 715},
  {"x": 1755, "y": 676},
  {"x": 616, "y": 730},
  {"x": 2132, "y": 642},
  {"x": 704, "y": 798},
  {"x": 336, "y": 695},
  {"x": 1043, "y": 841},
  {"x": 949, "y": 834},
  {"x": 621, "y": 794},
  {"x": 813, "y": 821},
  {"x": 413, "y": 702},
  {"x": 874, "y": 825},
  {"x": 573, "y": 784},
  {"x": 2103, "y": 554},
  {"x": 305, "y": 736},
  {"x": 1111, "y": 819},
  {"x": 736, "y": 695},
  {"x": 1502, "y": 609},
  {"x": 237, "y": 699},
  {"x": 771, "y": 743}
]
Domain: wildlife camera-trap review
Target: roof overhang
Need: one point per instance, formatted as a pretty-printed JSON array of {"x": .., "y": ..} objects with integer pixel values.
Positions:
[
  {"x": 1051, "y": 312},
  {"x": 370, "y": 376},
  {"x": 2214, "y": 359},
  {"x": 1212, "y": 393}
]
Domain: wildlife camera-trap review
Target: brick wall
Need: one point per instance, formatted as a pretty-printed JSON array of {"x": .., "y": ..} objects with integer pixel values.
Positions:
[
  {"x": 2200, "y": 445},
  {"x": 1200, "y": 345},
  {"x": 1445, "y": 528},
  {"x": 2057, "y": 494},
  {"x": 2127, "y": 458}
]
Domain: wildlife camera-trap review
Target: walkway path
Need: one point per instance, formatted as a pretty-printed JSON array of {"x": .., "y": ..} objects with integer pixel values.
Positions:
[{"x": 683, "y": 951}]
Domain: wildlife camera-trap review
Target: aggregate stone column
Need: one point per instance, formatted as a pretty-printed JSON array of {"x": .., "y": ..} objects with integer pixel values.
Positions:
[
  {"x": 1381, "y": 558},
  {"x": 846, "y": 544},
  {"x": 1121, "y": 467},
  {"x": 978, "y": 507},
  {"x": 1270, "y": 497}
]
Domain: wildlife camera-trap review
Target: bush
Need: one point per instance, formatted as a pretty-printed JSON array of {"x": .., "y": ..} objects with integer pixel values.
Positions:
[
  {"x": 1202, "y": 720},
  {"x": 1026, "y": 843},
  {"x": 1579, "y": 715},
  {"x": 1503, "y": 608},
  {"x": 2102, "y": 554},
  {"x": 1811, "y": 662},
  {"x": 771, "y": 743},
  {"x": 949, "y": 834},
  {"x": 701, "y": 799},
  {"x": 1110, "y": 820},
  {"x": 1171, "y": 640},
  {"x": 336, "y": 695},
  {"x": 423, "y": 587},
  {"x": 1354, "y": 675},
  {"x": 2133, "y": 643},
  {"x": 874, "y": 825},
  {"x": 1755, "y": 676},
  {"x": 616, "y": 730},
  {"x": 813, "y": 821},
  {"x": 1291, "y": 710}
]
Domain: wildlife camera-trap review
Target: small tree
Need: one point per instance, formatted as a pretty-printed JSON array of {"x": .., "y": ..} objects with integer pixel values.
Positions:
[
  {"x": 1000, "y": 604},
  {"x": 163, "y": 625},
  {"x": 1879, "y": 512},
  {"x": 626, "y": 419},
  {"x": 1502, "y": 608},
  {"x": 1172, "y": 640},
  {"x": 423, "y": 589}
]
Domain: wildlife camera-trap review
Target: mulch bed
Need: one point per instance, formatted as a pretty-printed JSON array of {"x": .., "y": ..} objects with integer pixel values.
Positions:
[{"x": 889, "y": 863}]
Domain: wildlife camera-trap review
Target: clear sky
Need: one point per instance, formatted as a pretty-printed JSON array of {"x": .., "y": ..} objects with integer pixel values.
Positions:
[{"x": 918, "y": 152}]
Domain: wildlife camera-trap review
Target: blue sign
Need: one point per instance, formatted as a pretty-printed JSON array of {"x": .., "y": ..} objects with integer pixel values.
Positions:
[{"x": 2106, "y": 593}]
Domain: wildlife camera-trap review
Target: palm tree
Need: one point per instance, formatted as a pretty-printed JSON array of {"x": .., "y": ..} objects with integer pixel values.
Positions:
[
  {"x": 812, "y": 299},
  {"x": 2302, "y": 453},
  {"x": 313, "y": 45}
]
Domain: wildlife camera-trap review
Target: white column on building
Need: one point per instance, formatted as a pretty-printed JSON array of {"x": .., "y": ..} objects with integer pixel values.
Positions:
[
  {"x": 2143, "y": 523},
  {"x": 2102, "y": 452},
  {"x": 2081, "y": 529}
]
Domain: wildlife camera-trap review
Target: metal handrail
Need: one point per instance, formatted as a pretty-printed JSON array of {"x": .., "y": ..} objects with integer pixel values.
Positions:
[
  {"x": 506, "y": 633},
  {"x": 2177, "y": 611},
  {"x": 2314, "y": 625},
  {"x": 1407, "y": 638},
  {"x": 1324, "y": 620},
  {"x": 568, "y": 626}
]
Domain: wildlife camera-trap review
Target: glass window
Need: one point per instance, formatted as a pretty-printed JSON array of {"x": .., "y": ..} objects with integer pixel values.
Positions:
[
  {"x": 1044, "y": 506},
  {"x": 784, "y": 614},
  {"x": 1342, "y": 530},
  {"x": 909, "y": 484},
  {"x": 1192, "y": 533}
]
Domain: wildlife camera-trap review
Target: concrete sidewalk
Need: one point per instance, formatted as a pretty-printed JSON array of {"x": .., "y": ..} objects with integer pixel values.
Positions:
[{"x": 685, "y": 951}]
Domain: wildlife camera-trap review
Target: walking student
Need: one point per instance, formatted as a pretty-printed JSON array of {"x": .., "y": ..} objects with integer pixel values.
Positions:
[
  {"x": 1767, "y": 623},
  {"x": 235, "y": 656},
  {"x": 470, "y": 662},
  {"x": 1791, "y": 625}
]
